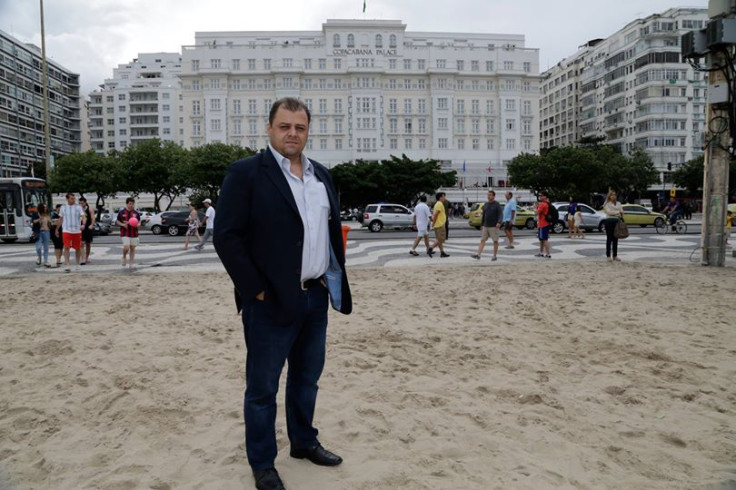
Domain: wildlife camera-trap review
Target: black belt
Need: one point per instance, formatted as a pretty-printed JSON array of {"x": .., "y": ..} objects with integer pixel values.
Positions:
[{"x": 310, "y": 283}]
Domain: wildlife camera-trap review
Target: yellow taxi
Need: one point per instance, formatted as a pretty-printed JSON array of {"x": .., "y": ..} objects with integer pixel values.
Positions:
[
  {"x": 525, "y": 218},
  {"x": 635, "y": 214}
]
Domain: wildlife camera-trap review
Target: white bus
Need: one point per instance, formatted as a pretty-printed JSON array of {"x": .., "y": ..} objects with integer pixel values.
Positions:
[{"x": 19, "y": 197}]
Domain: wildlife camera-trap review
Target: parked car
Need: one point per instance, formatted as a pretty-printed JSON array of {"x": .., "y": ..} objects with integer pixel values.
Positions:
[
  {"x": 525, "y": 218},
  {"x": 349, "y": 215},
  {"x": 634, "y": 214},
  {"x": 376, "y": 217},
  {"x": 592, "y": 219},
  {"x": 105, "y": 216},
  {"x": 101, "y": 228},
  {"x": 173, "y": 223}
]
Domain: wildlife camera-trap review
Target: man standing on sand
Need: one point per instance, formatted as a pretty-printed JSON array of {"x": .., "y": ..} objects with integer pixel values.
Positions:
[
  {"x": 88, "y": 231},
  {"x": 128, "y": 232},
  {"x": 509, "y": 218},
  {"x": 543, "y": 225},
  {"x": 492, "y": 216},
  {"x": 439, "y": 220},
  {"x": 209, "y": 222},
  {"x": 71, "y": 222},
  {"x": 278, "y": 235},
  {"x": 421, "y": 216}
]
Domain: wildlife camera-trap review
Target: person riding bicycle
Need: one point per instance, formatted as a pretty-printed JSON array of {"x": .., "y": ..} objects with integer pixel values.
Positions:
[{"x": 673, "y": 210}]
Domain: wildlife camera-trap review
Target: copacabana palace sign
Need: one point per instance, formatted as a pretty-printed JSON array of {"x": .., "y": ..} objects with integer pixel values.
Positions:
[{"x": 363, "y": 52}]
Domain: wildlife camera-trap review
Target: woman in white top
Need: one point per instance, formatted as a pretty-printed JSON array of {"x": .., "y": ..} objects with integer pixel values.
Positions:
[{"x": 614, "y": 212}]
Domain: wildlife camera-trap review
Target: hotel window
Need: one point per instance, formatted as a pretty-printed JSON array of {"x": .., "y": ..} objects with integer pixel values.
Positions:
[
  {"x": 307, "y": 63},
  {"x": 391, "y": 64},
  {"x": 510, "y": 124},
  {"x": 490, "y": 126},
  {"x": 195, "y": 65},
  {"x": 393, "y": 144},
  {"x": 336, "y": 40},
  {"x": 322, "y": 106},
  {"x": 392, "y": 83},
  {"x": 121, "y": 96},
  {"x": 236, "y": 84},
  {"x": 489, "y": 65},
  {"x": 236, "y": 64},
  {"x": 475, "y": 65},
  {"x": 442, "y": 103},
  {"x": 123, "y": 120},
  {"x": 237, "y": 126},
  {"x": 215, "y": 125},
  {"x": 337, "y": 64},
  {"x": 407, "y": 64},
  {"x": 252, "y": 106},
  {"x": 421, "y": 64},
  {"x": 460, "y": 123},
  {"x": 510, "y": 105},
  {"x": 460, "y": 84},
  {"x": 407, "y": 106},
  {"x": 267, "y": 103},
  {"x": 266, "y": 64},
  {"x": 422, "y": 84},
  {"x": 267, "y": 83},
  {"x": 110, "y": 98},
  {"x": 407, "y": 143},
  {"x": 407, "y": 126},
  {"x": 489, "y": 107},
  {"x": 511, "y": 144},
  {"x": 196, "y": 128},
  {"x": 322, "y": 83},
  {"x": 215, "y": 83},
  {"x": 442, "y": 143},
  {"x": 489, "y": 85},
  {"x": 527, "y": 107},
  {"x": 461, "y": 106},
  {"x": 252, "y": 127},
  {"x": 322, "y": 64},
  {"x": 442, "y": 123},
  {"x": 307, "y": 83},
  {"x": 287, "y": 62},
  {"x": 441, "y": 63},
  {"x": 215, "y": 104},
  {"x": 475, "y": 85},
  {"x": 461, "y": 143},
  {"x": 476, "y": 144},
  {"x": 111, "y": 133},
  {"x": 236, "y": 106},
  {"x": 422, "y": 125},
  {"x": 392, "y": 41},
  {"x": 422, "y": 106},
  {"x": 308, "y": 103},
  {"x": 526, "y": 86},
  {"x": 392, "y": 125},
  {"x": 527, "y": 67},
  {"x": 351, "y": 41},
  {"x": 392, "y": 106},
  {"x": 338, "y": 106},
  {"x": 379, "y": 41},
  {"x": 407, "y": 84},
  {"x": 460, "y": 65},
  {"x": 338, "y": 144},
  {"x": 527, "y": 144},
  {"x": 215, "y": 63},
  {"x": 476, "y": 126},
  {"x": 338, "y": 125},
  {"x": 489, "y": 144},
  {"x": 121, "y": 108},
  {"x": 475, "y": 106},
  {"x": 422, "y": 143},
  {"x": 322, "y": 144},
  {"x": 442, "y": 83},
  {"x": 252, "y": 64}
]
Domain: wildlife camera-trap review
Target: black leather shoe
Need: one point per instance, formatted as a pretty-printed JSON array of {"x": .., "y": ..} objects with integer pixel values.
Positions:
[
  {"x": 268, "y": 479},
  {"x": 317, "y": 455}
]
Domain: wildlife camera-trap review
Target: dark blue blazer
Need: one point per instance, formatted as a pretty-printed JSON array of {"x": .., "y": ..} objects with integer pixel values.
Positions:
[{"x": 258, "y": 235}]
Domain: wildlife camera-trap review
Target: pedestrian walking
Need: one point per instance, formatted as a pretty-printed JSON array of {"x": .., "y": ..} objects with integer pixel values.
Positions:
[
  {"x": 41, "y": 224},
  {"x": 614, "y": 212},
  {"x": 192, "y": 225},
  {"x": 509, "y": 218},
  {"x": 422, "y": 214},
  {"x": 278, "y": 235},
  {"x": 492, "y": 218},
  {"x": 71, "y": 222},
  {"x": 56, "y": 237},
  {"x": 209, "y": 223},
  {"x": 578, "y": 223},
  {"x": 88, "y": 230},
  {"x": 543, "y": 225},
  {"x": 572, "y": 207},
  {"x": 129, "y": 231},
  {"x": 439, "y": 224}
]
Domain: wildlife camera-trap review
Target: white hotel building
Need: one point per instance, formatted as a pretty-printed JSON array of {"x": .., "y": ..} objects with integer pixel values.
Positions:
[
  {"x": 633, "y": 89},
  {"x": 374, "y": 90},
  {"x": 140, "y": 102}
]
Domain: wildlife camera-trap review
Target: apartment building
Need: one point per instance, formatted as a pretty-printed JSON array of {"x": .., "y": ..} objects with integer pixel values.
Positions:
[
  {"x": 140, "y": 102},
  {"x": 633, "y": 89},
  {"x": 374, "y": 90},
  {"x": 22, "y": 139}
]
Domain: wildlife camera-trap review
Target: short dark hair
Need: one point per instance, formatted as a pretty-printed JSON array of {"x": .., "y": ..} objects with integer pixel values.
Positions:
[
  {"x": 290, "y": 104},
  {"x": 69, "y": 194},
  {"x": 82, "y": 199},
  {"x": 439, "y": 195},
  {"x": 129, "y": 200},
  {"x": 423, "y": 198},
  {"x": 543, "y": 193},
  {"x": 492, "y": 192},
  {"x": 511, "y": 194}
]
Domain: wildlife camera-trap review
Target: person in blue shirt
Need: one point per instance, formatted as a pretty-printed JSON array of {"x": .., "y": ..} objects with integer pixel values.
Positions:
[{"x": 673, "y": 210}]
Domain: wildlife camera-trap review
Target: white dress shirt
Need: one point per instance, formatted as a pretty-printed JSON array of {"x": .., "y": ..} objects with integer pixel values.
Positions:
[{"x": 314, "y": 208}]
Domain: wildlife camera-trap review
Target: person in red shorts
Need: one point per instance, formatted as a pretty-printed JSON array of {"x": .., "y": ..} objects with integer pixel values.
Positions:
[
  {"x": 543, "y": 225},
  {"x": 71, "y": 222}
]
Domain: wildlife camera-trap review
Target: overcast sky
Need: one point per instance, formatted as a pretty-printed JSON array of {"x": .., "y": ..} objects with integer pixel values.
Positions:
[{"x": 92, "y": 37}]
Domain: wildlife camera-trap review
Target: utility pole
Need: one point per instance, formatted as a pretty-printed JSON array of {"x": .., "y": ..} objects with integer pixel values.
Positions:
[{"x": 45, "y": 81}]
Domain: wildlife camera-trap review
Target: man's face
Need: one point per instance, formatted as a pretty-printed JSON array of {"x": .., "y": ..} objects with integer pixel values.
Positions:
[
  {"x": 491, "y": 197},
  {"x": 288, "y": 132},
  {"x": 130, "y": 205},
  {"x": 508, "y": 196},
  {"x": 71, "y": 199}
]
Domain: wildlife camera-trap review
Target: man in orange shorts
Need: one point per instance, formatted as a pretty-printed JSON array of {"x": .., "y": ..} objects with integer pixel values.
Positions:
[{"x": 71, "y": 221}]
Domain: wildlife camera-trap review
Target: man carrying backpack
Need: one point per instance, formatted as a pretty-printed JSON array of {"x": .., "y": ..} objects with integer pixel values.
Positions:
[{"x": 544, "y": 224}]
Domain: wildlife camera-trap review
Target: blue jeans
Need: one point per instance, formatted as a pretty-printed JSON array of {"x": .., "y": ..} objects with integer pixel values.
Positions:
[
  {"x": 269, "y": 345},
  {"x": 42, "y": 243}
]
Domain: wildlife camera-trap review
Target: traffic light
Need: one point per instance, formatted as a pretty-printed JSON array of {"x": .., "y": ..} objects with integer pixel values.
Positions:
[{"x": 669, "y": 166}]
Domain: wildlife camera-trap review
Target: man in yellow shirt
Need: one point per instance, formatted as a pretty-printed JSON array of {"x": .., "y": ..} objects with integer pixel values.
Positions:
[{"x": 439, "y": 218}]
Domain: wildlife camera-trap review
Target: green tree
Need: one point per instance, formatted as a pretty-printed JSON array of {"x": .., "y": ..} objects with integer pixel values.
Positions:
[
  {"x": 630, "y": 176},
  {"x": 150, "y": 166},
  {"x": 690, "y": 176},
  {"x": 85, "y": 173},
  {"x": 206, "y": 166}
]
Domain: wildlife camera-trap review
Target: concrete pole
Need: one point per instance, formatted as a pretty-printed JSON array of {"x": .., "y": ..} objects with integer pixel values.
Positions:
[
  {"x": 715, "y": 178},
  {"x": 45, "y": 81}
]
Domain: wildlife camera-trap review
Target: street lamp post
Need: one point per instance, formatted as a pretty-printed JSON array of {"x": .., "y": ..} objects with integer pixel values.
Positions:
[{"x": 45, "y": 81}]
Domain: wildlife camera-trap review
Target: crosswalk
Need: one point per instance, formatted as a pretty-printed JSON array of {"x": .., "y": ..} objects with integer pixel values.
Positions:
[{"x": 170, "y": 257}]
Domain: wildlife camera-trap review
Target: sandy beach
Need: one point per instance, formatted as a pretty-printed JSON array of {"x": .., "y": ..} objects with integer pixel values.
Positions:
[{"x": 462, "y": 377}]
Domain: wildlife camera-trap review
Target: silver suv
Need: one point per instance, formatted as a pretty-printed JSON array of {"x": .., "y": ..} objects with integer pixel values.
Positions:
[
  {"x": 378, "y": 216},
  {"x": 592, "y": 219}
]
